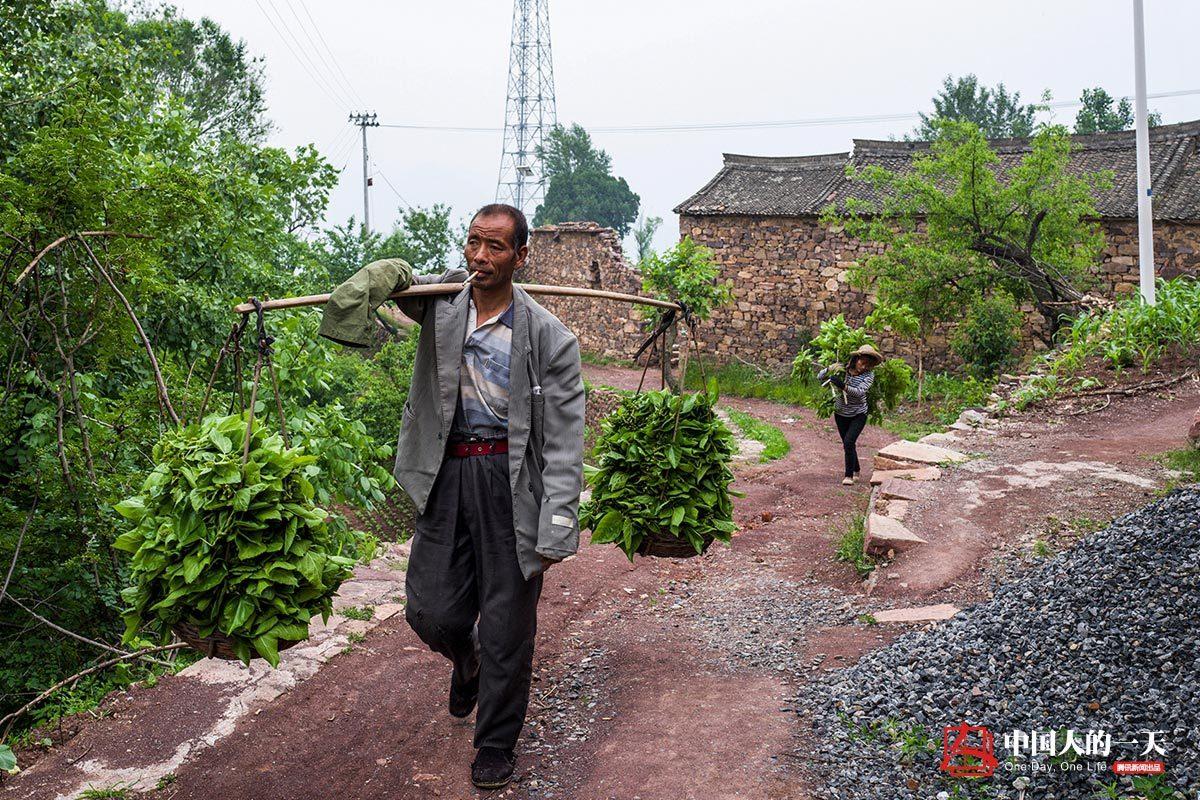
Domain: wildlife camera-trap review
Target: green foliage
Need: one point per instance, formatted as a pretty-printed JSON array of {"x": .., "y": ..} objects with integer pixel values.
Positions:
[
  {"x": 138, "y": 122},
  {"x": 995, "y": 112},
  {"x": 1099, "y": 115},
  {"x": 775, "y": 443},
  {"x": 833, "y": 344},
  {"x": 240, "y": 550},
  {"x": 687, "y": 272},
  {"x": 944, "y": 398},
  {"x": 422, "y": 236},
  {"x": 1131, "y": 333},
  {"x": 898, "y": 318},
  {"x": 663, "y": 469},
  {"x": 114, "y": 792},
  {"x": 746, "y": 380},
  {"x": 987, "y": 339},
  {"x": 643, "y": 236},
  {"x": 849, "y": 547},
  {"x": 581, "y": 186},
  {"x": 8, "y": 762},
  {"x": 951, "y": 229}
]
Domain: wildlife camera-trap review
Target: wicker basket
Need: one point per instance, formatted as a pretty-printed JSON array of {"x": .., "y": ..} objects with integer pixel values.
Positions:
[
  {"x": 218, "y": 645},
  {"x": 664, "y": 545}
]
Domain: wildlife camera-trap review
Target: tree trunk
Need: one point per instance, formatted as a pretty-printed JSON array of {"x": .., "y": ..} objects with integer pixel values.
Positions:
[{"x": 669, "y": 378}]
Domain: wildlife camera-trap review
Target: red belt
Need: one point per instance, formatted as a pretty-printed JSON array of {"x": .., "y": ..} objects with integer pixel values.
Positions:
[{"x": 462, "y": 449}]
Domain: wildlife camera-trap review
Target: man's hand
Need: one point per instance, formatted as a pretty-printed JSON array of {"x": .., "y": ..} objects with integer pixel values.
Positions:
[{"x": 839, "y": 367}]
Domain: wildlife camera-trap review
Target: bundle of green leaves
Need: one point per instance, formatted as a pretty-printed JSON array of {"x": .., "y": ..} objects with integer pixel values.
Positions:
[
  {"x": 834, "y": 343},
  {"x": 240, "y": 551},
  {"x": 663, "y": 469}
]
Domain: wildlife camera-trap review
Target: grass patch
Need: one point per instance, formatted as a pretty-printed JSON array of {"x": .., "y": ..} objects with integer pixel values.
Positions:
[
  {"x": 775, "y": 444},
  {"x": 850, "y": 546},
  {"x": 943, "y": 398},
  {"x": 116, "y": 792},
  {"x": 358, "y": 612},
  {"x": 746, "y": 380},
  {"x": 597, "y": 360},
  {"x": 1185, "y": 461},
  {"x": 944, "y": 395}
]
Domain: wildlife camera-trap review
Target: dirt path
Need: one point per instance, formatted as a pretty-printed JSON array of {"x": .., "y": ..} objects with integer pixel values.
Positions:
[{"x": 655, "y": 680}]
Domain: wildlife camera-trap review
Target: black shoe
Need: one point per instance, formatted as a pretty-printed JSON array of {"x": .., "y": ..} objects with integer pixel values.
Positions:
[
  {"x": 463, "y": 695},
  {"x": 493, "y": 767}
]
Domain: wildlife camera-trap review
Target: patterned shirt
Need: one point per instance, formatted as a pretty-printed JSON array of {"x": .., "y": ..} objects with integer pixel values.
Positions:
[
  {"x": 483, "y": 379},
  {"x": 851, "y": 399}
]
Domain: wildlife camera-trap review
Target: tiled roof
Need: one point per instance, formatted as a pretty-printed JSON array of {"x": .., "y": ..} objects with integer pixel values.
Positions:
[{"x": 804, "y": 185}]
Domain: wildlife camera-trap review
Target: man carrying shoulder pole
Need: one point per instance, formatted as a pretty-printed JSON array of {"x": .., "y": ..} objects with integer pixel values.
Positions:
[{"x": 491, "y": 452}]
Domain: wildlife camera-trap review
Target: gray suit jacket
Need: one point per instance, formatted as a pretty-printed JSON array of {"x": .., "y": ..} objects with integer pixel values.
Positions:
[{"x": 545, "y": 411}]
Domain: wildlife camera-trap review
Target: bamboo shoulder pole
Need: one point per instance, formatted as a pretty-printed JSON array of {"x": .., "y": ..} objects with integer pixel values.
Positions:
[{"x": 419, "y": 290}]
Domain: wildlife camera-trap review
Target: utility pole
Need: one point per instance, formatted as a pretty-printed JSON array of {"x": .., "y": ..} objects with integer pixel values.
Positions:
[
  {"x": 365, "y": 121},
  {"x": 1142, "y": 127}
]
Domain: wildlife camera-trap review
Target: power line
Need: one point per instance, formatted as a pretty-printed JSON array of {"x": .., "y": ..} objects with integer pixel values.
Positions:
[
  {"x": 337, "y": 65},
  {"x": 305, "y": 63},
  {"x": 395, "y": 191},
  {"x": 688, "y": 127},
  {"x": 330, "y": 73}
]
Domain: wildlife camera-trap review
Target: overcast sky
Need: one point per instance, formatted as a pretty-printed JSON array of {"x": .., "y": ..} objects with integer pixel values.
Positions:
[{"x": 644, "y": 62}]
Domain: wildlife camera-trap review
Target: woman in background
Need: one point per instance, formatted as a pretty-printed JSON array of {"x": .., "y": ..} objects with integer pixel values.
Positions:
[{"x": 850, "y": 401}]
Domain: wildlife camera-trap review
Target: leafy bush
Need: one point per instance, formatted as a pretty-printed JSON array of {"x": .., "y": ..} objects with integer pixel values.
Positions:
[
  {"x": 687, "y": 272},
  {"x": 833, "y": 345},
  {"x": 1130, "y": 333},
  {"x": 987, "y": 338},
  {"x": 240, "y": 550},
  {"x": 663, "y": 469}
]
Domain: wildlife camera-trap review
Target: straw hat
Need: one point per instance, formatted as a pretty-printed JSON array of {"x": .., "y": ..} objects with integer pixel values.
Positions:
[{"x": 869, "y": 352}]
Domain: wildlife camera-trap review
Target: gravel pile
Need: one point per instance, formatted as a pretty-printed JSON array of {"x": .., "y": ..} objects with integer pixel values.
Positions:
[{"x": 1103, "y": 636}]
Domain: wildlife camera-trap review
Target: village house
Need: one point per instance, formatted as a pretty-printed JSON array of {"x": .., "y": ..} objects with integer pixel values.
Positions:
[{"x": 760, "y": 217}]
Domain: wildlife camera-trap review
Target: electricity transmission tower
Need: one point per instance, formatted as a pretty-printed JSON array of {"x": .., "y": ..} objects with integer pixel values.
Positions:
[
  {"x": 365, "y": 121},
  {"x": 529, "y": 111}
]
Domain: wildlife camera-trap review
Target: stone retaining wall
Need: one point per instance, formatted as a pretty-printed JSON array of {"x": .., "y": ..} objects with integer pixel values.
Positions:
[{"x": 587, "y": 255}]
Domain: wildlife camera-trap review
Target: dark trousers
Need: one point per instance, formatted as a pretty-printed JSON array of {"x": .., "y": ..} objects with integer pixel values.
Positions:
[
  {"x": 465, "y": 589},
  {"x": 849, "y": 428}
]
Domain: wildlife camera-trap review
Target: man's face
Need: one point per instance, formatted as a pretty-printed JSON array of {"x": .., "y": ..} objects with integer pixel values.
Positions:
[{"x": 490, "y": 251}]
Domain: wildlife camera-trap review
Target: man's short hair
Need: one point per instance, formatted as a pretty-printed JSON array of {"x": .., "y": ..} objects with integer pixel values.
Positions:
[{"x": 520, "y": 224}]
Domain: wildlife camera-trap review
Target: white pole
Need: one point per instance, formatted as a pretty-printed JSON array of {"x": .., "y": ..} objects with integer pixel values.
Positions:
[{"x": 1144, "y": 205}]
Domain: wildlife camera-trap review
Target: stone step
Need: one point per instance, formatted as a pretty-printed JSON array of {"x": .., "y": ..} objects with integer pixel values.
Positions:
[
  {"x": 903, "y": 450},
  {"x": 896, "y": 509},
  {"x": 915, "y": 474},
  {"x": 883, "y": 462},
  {"x": 884, "y": 533},
  {"x": 937, "y": 613},
  {"x": 939, "y": 439}
]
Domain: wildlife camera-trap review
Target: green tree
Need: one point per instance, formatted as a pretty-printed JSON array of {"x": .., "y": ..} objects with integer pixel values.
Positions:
[
  {"x": 1102, "y": 114},
  {"x": 989, "y": 335},
  {"x": 952, "y": 229},
  {"x": 188, "y": 211},
  {"x": 643, "y": 236},
  {"x": 581, "y": 186},
  {"x": 688, "y": 272},
  {"x": 214, "y": 76},
  {"x": 423, "y": 237},
  {"x": 997, "y": 113}
]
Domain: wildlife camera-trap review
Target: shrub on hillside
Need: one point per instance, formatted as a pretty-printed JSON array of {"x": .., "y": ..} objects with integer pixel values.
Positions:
[{"x": 987, "y": 339}]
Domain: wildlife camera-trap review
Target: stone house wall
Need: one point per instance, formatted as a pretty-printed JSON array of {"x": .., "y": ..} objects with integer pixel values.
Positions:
[
  {"x": 587, "y": 255},
  {"x": 789, "y": 274}
]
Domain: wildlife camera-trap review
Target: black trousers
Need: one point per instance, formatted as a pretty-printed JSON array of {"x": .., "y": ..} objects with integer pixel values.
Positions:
[
  {"x": 849, "y": 428},
  {"x": 466, "y": 590}
]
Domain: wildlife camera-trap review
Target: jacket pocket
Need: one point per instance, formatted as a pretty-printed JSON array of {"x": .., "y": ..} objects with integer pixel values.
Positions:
[{"x": 537, "y": 412}]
